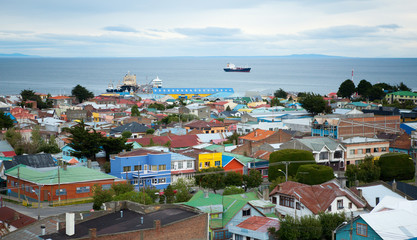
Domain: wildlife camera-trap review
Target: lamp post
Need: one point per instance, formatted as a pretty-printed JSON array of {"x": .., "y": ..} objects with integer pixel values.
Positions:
[
  {"x": 286, "y": 178},
  {"x": 39, "y": 200},
  {"x": 334, "y": 231}
]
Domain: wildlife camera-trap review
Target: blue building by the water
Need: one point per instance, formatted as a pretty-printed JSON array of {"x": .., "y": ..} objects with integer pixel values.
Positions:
[{"x": 143, "y": 168}]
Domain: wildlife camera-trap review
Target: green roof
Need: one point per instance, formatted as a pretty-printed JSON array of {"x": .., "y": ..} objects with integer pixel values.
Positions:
[
  {"x": 358, "y": 104},
  {"x": 316, "y": 144},
  {"x": 404, "y": 93},
  {"x": 242, "y": 158},
  {"x": 49, "y": 176},
  {"x": 216, "y": 148},
  {"x": 215, "y": 203}
]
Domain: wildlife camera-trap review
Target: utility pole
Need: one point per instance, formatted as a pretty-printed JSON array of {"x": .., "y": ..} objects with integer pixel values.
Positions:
[
  {"x": 59, "y": 185},
  {"x": 18, "y": 183},
  {"x": 351, "y": 226}
]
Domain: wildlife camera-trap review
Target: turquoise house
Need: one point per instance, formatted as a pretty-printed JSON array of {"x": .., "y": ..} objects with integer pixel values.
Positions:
[{"x": 66, "y": 154}]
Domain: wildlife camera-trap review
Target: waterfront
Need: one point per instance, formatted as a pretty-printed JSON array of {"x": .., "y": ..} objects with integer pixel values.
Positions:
[{"x": 320, "y": 75}]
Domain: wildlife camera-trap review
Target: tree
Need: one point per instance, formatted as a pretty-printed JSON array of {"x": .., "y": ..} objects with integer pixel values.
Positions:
[
  {"x": 101, "y": 196},
  {"x": 228, "y": 108},
  {"x": 329, "y": 222},
  {"x": 29, "y": 95},
  {"x": 126, "y": 134},
  {"x": 367, "y": 171},
  {"x": 122, "y": 188},
  {"x": 134, "y": 111},
  {"x": 86, "y": 144},
  {"x": 182, "y": 185},
  {"x": 346, "y": 89},
  {"x": 150, "y": 131},
  {"x": 133, "y": 196},
  {"x": 364, "y": 88},
  {"x": 396, "y": 166},
  {"x": 403, "y": 87},
  {"x": 287, "y": 155},
  {"x": 212, "y": 178},
  {"x": 376, "y": 92},
  {"x": 114, "y": 145},
  {"x": 81, "y": 93},
  {"x": 253, "y": 179},
  {"x": 280, "y": 93},
  {"x": 230, "y": 190},
  {"x": 50, "y": 147},
  {"x": 157, "y": 106},
  {"x": 313, "y": 103},
  {"x": 15, "y": 139},
  {"x": 275, "y": 102},
  {"x": 313, "y": 174},
  {"x": 233, "y": 179},
  {"x": 5, "y": 120},
  {"x": 169, "y": 194}
]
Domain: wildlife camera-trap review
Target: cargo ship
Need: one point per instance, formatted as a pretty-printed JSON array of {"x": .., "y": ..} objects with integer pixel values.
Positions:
[
  {"x": 232, "y": 68},
  {"x": 129, "y": 85}
]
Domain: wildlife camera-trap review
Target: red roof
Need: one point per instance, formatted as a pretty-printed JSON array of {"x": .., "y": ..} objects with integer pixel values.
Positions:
[
  {"x": 203, "y": 124},
  {"x": 220, "y": 103},
  {"x": 15, "y": 218},
  {"x": 9, "y": 154},
  {"x": 262, "y": 154},
  {"x": 259, "y": 224},
  {"x": 257, "y": 135},
  {"x": 139, "y": 152},
  {"x": 316, "y": 198}
]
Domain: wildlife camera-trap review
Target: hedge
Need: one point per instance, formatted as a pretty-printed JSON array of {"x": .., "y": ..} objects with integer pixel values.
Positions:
[
  {"x": 287, "y": 155},
  {"x": 396, "y": 166},
  {"x": 314, "y": 174}
]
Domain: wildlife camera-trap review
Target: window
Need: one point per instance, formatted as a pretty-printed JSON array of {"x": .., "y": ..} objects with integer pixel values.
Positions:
[
  {"x": 173, "y": 166},
  {"x": 246, "y": 212},
  {"x": 383, "y": 149},
  {"x": 83, "y": 189},
  {"x": 162, "y": 167},
  {"x": 238, "y": 237},
  {"x": 154, "y": 168},
  {"x": 217, "y": 163},
  {"x": 329, "y": 208},
  {"x": 338, "y": 154},
  {"x": 376, "y": 149},
  {"x": 265, "y": 172},
  {"x": 180, "y": 165},
  {"x": 274, "y": 200},
  {"x": 138, "y": 167},
  {"x": 219, "y": 235},
  {"x": 127, "y": 169},
  {"x": 286, "y": 201},
  {"x": 339, "y": 204},
  {"x": 61, "y": 192},
  {"x": 201, "y": 164},
  {"x": 207, "y": 164},
  {"x": 189, "y": 164},
  {"x": 154, "y": 180},
  {"x": 135, "y": 181},
  {"x": 350, "y": 205},
  {"x": 368, "y": 150},
  {"x": 214, "y": 215},
  {"x": 352, "y": 152},
  {"x": 162, "y": 180},
  {"x": 298, "y": 205},
  {"x": 360, "y": 151},
  {"x": 361, "y": 229},
  {"x": 376, "y": 200},
  {"x": 324, "y": 155},
  {"x": 106, "y": 186}
]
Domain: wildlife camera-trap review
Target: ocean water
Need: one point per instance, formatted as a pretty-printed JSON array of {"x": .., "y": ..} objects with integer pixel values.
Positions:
[{"x": 319, "y": 75}]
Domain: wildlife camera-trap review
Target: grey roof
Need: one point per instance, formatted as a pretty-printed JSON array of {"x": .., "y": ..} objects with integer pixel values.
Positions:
[
  {"x": 132, "y": 127},
  {"x": 36, "y": 160},
  {"x": 406, "y": 188},
  {"x": 362, "y": 140},
  {"x": 5, "y": 146},
  {"x": 317, "y": 143}
]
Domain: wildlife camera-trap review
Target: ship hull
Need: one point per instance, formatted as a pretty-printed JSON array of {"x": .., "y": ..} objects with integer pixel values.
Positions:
[{"x": 236, "y": 69}]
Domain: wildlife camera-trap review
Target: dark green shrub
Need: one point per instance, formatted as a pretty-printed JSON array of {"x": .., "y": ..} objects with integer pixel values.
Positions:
[
  {"x": 287, "y": 155},
  {"x": 314, "y": 174},
  {"x": 396, "y": 166}
]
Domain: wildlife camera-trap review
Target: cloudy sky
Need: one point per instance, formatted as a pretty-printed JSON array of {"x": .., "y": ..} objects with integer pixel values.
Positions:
[{"x": 144, "y": 28}]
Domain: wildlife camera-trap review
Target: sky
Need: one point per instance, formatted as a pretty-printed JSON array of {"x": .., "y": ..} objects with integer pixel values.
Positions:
[{"x": 158, "y": 28}]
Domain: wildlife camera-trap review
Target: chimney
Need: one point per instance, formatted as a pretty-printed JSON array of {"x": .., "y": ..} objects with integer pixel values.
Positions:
[
  {"x": 16, "y": 216},
  {"x": 157, "y": 224},
  {"x": 356, "y": 183},
  {"x": 89, "y": 163},
  {"x": 64, "y": 167},
  {"x": 43, "y": 230},
  {"x": 92, "y": 232},
  {"x": 266, "y": 194},
  {"x": 69, "y": 224},
  {"x": 360, "y": 193},
  {"x": 394, "y": 186}
]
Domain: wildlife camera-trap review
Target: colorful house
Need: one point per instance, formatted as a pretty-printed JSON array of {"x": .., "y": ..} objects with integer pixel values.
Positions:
[
  {"x": 232, "y": 164},
  {"x": 66, "y": 154},
  {"x": 143, "y": 168},
  {"x": 224, "y": 211}
]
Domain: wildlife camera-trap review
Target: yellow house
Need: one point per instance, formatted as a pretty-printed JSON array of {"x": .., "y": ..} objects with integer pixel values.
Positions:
[
  {"x": 96, "y": 117},
  {"x": 207, "y": 160}
]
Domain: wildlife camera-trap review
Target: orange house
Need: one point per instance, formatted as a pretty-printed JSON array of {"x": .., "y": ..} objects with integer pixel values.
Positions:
[{"x": 232, "y": 164}]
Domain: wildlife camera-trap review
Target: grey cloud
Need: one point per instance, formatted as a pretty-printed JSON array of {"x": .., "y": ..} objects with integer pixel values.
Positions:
[
  {"x": 120, "y": 29},
  {"x": 390, "y": 26},
  {"x": 209, "y": 32}
]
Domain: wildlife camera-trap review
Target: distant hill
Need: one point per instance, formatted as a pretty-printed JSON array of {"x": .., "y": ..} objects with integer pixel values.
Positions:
[
  {"x": 15, "y": 55},
  {"x": 311, "y": 56}
]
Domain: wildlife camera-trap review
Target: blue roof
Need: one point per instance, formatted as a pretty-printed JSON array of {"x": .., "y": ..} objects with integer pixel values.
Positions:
[
  {"x": 226, "y": 160},
  {"x": 221, "y": 95},
  {"x": 177, "y": 157},
  {"x": 191, "y": 90}
]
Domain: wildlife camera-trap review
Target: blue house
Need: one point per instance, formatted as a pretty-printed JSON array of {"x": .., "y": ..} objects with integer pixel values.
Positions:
[
  {"x": 66, "y": 154},
  {"x": 143, "y": 168}
]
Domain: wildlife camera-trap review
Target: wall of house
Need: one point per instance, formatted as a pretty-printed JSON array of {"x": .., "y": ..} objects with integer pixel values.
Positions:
[
  {"x": 345, "y": 208},
  {"x": 343, "y": 233},
  {"x": 283, "y": 210},
  {"x": 358, "y": 151},
  {"x": 367, "y": 127},
  {"x": 207, "y": 160},
  {"x": 235, "y": 166}
]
